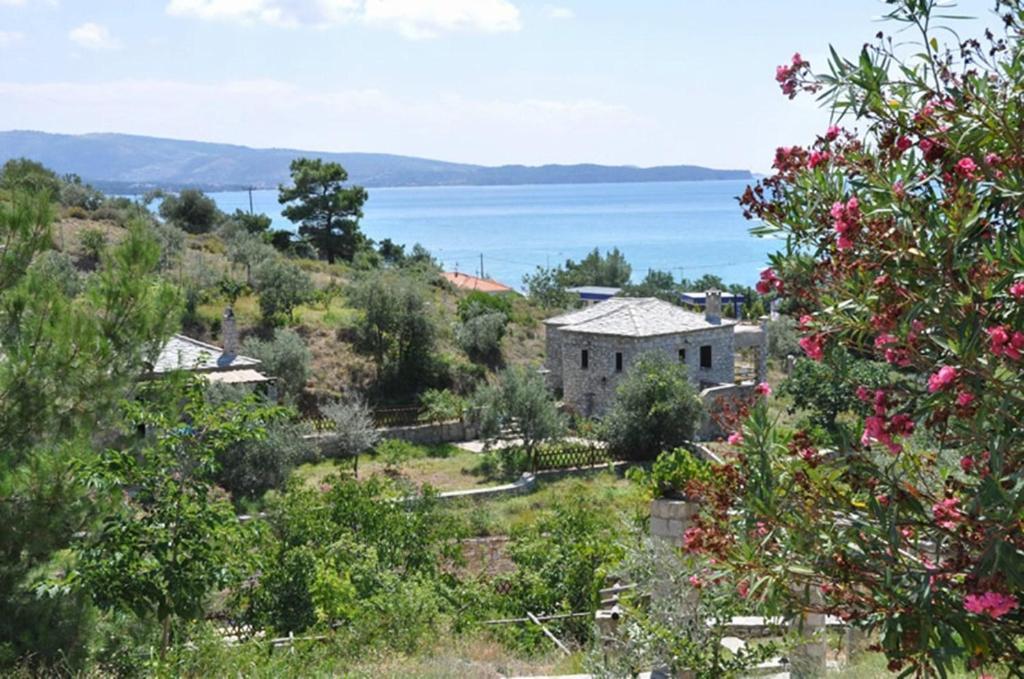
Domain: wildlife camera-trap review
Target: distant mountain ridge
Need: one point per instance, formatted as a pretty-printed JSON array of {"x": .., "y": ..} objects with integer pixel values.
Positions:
[{"x": 130, "y": 163}]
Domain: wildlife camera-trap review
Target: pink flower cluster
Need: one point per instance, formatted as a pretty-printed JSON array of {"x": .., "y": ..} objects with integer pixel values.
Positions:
[
  {"x": 817, "y": 158},
  {"x": 788, "y": 75},
  {"x": 1002, "y": 343},
  {"x": 1017, "y": 289},
  {"x": 894, "y": 354},
  {"x": 763, "y": 389},
  {"x": 992, "y": 604},
  {"x": 879, "y": 428},
  {"x": 735, "y": 438},
  {"x": 769, "y": 281},
  {"x": 847, "y": 218},
  {"x": 942, "y": 379},
  {"x": 813, "y": 347},
  {"x": 967, "y": 168},
  {"x": 947, "y": 513}
]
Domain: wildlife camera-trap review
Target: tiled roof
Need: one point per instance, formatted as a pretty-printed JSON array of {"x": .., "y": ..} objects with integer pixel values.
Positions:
[
  {"x": 185, "y": 353},
  {"x": 466, "y": 282},
  {"x": 633, "y": 317}
]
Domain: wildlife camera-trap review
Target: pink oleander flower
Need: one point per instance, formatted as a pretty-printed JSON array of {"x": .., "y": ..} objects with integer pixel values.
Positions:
[
  {"x": 817, "y": 158},
  {"x": 1017, "y": 289},
  {"x": 764, "y": 389},
  {"x": 863, "y": 393},
  {"x": 967, "y": 464},
  {"x": 903, "y": 143},
  {"x": 993, "y": 604},
  {"x": 946, "y": 513},
  {"x": 993, "y": 158},
  {"x": 812, "y": 347},
  {"x": 966, "y": 167},
  {"x": 743, "y": 589},
  {"x": 897, "y": 189},
  {"x": 964, "y": 399},
  {"x": 769, "y": 281},
  {"x": 942, "y": 379},
  {"x": 696, "y": 582},
  {"x": 735, "y": 438},
  {"x": 832, "y": 132},
  {"x": 1002, "y": 343},
  {"x": 926, "y": 145}
]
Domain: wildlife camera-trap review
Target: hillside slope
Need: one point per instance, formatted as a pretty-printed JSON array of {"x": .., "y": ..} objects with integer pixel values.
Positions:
[{"x": 127, "y": 163}]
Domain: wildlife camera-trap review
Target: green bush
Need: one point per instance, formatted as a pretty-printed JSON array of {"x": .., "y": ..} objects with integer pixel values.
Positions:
[
  {"x": 656, "y": 408},
  {"x": 286, "y": 358},
  {"x": 250, "y": 468},
  {"x": 282, "y": 286},
  {"x": 441, "y": 405},
  {"x": 93, "y": 243},
  {"x": 671, "y": 473},
  {"x": 480, "y": 337},
  {"x": 396, "y": 452},
  {"x": 479, "y": 303},
  {"x": 352, "y": 426}
]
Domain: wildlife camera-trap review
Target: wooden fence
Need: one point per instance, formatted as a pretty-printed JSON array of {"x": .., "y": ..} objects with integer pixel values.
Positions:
[
  {"x": 405, "y": 416},
  {"x": 565, "y": 455}
]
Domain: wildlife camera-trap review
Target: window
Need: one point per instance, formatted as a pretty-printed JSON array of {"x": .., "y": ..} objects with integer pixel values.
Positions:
[
  {"x": 682, "y": 355},
  {"x": 705, "y": 356},
  {"x": 584, "y": 359},
  {"x": 618, "y": 361}
]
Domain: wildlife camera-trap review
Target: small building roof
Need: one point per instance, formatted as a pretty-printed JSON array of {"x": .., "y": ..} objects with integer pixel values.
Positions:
[
  {"x": 185, "y": 353},
  {"x": 595, "y": 290},
  {"x": 701, "y": 297},
  {"x": 244, "y": 376},
  {"x": 634, "y": 317},
  {"x": 466, "y": 282}
]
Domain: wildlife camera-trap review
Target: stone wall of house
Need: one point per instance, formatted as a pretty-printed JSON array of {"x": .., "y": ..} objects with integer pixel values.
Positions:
[
  {"x": 553, "y": 356},
  {"x": 590, "y": 391}
]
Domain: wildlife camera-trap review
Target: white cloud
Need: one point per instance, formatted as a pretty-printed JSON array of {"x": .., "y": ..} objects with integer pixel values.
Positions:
[
  {"x": 553, "y": 12},
  {"x": 8, "y": 38},
  {"x": 412, "y": 18},
  {"x": 266, "y": 113},
  {"x": 93, "y": 36},
  {"x": 427, "y": 18}
]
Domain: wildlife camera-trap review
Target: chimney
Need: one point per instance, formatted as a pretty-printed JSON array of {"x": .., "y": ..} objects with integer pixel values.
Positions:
[
  {"x": 229, "y": 332},
  {"x": 713, "y": 306}
]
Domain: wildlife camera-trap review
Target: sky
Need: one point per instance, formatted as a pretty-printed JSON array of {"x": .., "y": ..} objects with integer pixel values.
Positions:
[{"x": 636, "y": 82}]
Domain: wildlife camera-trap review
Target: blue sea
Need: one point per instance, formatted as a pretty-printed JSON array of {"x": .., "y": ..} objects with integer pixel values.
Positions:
[{"x": 688, "y": 228}]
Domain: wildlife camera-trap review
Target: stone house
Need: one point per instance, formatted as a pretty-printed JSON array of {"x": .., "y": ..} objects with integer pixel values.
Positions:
[
  {"x": 216, "y": 365},
  {"x": 588, "y": 351}
]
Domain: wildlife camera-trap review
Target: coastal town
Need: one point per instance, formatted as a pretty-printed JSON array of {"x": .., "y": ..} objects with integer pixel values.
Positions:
[{"x": 280, "y": 413}]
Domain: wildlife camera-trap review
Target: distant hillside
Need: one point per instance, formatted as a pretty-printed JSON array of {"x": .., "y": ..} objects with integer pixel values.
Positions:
[{"x": 128, "y": 163}]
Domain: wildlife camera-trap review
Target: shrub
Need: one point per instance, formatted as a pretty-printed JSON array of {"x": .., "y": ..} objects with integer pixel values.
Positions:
[
  {"x": 441, "y": 405},
  {"x": 76, "y": 213},
  {"x": 191, "y": 210},
  {"x": 671, "y": 473},
  {"x": 93, "y": 243},
  {"x": 282, "y": 286},
  {"x": 782, "y": 338},
  {"x": 353, "y": 427},
  {"x": 900, "y": 244},
  {"x": 396, "y": 452},
  {"x": 655, "y": 409},
  {"x": 518, "y": 408},
  {"x": 252, "y": 467},
  {"x": 480, "y": 337},
  {"x": 58, "y": 267},
  {"x": 284, "y": 357},
  {"x": 479, "y": 303}
]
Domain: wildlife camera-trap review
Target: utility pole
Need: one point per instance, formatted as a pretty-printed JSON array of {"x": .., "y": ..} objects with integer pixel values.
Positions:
[
  {"x": 250, "y": 200},
  {"x": 481, "y": 265}
]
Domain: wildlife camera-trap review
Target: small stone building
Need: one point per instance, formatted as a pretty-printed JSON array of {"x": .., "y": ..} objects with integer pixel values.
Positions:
[{"x": 588, "y": 351}]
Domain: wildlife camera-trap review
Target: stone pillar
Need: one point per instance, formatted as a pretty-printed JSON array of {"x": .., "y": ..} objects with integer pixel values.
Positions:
[
  {"x": 713, "y": 306},
  {"x": 669, "y": 521},
  {"x": 807, "y": 659},
  {"x": 761, "y": 369},
  {"x": 671, "y": 518},
  {"x": 229, "y": 332}
]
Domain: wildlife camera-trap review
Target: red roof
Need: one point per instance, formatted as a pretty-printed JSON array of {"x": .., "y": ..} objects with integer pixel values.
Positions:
[{"x": 467, "y": 282}]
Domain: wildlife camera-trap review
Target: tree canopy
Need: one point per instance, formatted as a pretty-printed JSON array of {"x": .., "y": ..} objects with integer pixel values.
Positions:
[{"x": 326, "y": 211}]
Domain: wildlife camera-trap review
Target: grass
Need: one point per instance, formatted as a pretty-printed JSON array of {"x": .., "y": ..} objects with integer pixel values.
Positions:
[
  {"x": 601, "y": 490},
  {"x": 443, "y": 466}
]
